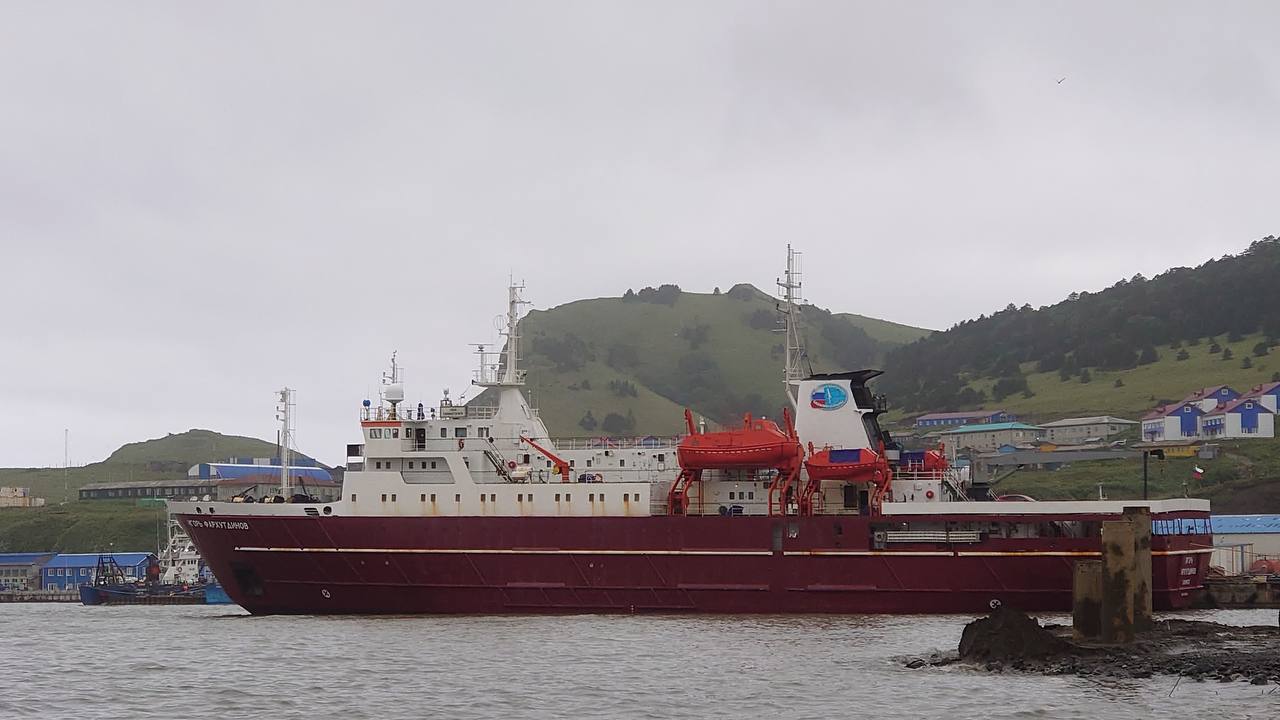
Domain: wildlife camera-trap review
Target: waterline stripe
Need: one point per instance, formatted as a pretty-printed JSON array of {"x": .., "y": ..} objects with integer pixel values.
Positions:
[{"x": 504, "y": 551}]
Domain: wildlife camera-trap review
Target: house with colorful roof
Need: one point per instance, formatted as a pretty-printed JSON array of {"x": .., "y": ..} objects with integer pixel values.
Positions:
[
  {"x": 1182, "y": 419},
  {"x": 1244, "y": 417},
  {"x": 964, "y": 417},
  {"x": 1268, "y": 393},
  {"x": 991, "y": 436}
]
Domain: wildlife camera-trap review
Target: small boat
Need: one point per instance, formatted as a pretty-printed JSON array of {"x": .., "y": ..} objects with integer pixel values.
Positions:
[
  {"x": 759, "y": 443},
  {"x": 110, "y": 587}
]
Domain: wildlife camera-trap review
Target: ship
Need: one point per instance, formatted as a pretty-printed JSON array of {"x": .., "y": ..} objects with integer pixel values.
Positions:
[{"x": 474, "y": 508}]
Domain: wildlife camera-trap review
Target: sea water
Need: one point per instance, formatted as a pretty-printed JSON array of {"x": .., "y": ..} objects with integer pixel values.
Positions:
[{"x": 70, "y": 661}]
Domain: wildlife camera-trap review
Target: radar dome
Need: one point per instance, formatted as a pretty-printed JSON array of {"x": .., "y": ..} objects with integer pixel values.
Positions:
[{"x": 394, "y": 393}]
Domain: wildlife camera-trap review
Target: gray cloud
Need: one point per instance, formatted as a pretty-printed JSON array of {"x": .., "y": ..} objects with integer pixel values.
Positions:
[{"x": 180, "y": 185}]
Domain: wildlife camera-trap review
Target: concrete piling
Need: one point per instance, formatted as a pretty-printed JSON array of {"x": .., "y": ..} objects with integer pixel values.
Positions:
[
  {"x": 1140, "y": 517},
  {"x": 1086, "y": 599},
  {"x": 1119, "y": 576}
]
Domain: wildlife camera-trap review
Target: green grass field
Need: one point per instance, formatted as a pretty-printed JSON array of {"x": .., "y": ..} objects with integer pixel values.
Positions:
[
  {"x": 1167, "y": 379},
  {"x": 82, "y": 527}
]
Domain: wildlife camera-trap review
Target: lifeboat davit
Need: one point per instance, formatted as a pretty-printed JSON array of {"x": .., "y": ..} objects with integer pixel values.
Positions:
[{"x": 757, "y": 444}]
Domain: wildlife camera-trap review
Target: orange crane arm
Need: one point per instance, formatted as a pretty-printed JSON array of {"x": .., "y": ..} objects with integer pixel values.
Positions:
[{"x": 561, "y": 466}]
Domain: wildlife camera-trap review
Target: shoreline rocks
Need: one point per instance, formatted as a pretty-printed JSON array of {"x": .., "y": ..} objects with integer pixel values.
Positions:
[{"x": 1009, "y": 640}]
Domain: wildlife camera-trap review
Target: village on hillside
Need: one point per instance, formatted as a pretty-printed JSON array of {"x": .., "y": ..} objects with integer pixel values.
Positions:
[{"x": 996, "y": 439}]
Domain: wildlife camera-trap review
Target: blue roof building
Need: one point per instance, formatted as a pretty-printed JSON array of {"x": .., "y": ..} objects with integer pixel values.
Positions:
[
  {"x": 69, "y": 571},
  {"x": 1246, "y": 524}
]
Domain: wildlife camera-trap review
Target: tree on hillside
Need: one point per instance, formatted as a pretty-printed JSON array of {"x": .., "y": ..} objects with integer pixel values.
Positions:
[
  {"x": 1227, "y": 354},
  {"x": 588, "y": 422},
  {"x": 1085, "y": 376},
  {"x": 1148, "y": 355},
  {"x": 716, "y": 291},
  {"x": 1183, "y": 355},
  {"x": 1246, "y": 362},
  {"x": 615, "y": 424},
  {"x": 1214, "y": 348},
  {"x": 1118, "y": 383},
  {"x": 1261, "y": 349},
  {"x": 1007, "y": 386}
]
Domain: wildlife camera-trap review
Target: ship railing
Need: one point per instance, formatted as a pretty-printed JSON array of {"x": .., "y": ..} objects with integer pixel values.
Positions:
[
  {"x": 651, "y": 442},
  {"x": 933, "y": 536},
  {"x": 444, "y": 412},
  {"x": 951, "y": 478}
]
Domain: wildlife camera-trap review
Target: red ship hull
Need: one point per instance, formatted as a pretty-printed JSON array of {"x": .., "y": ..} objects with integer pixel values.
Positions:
[{"x": 406, "y": 565}]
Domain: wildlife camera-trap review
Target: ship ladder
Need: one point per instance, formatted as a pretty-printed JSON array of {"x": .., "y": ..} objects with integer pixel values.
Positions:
[
  {"x": 499, "y": 463},
  {"x": 778, "y": 489},
  {"x": 678, "y": 496}
]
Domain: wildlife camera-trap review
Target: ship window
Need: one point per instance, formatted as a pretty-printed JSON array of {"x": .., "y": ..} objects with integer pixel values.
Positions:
[
  {"x": 548, "y": 463},
  {"x": 751, "y": 496},
  {"x": 493, "y": 498},
  {"x": 568, "y": 497},
  {"x": 481, "y": 497},
  {"x": 557, "y": 497},
  {"x": 588, "y": 462},
  {"x": 393, "y": 497},
  {"x": 395, "y": 432},
  {"x": 526, "y": 460},
  {"x": 520, "y": 497},
  {"x": 591, "y": 497},
  {"x": 444, "y": 432},
  {"x": 460, "y": 431},
  {"x": 353, "y": 497},
  {"x": 433, "y": 464},
  {"x": 570, "y": 462},
  {"x": 384, "y": 497},
  {"x": 662, "y": 457},
  {"x": 482, "y": 432},
  {"x": 730, "y": 495},
  {"x": 622, "y": 463},
  {"x": 457, "y": 498},
  {"x": 410, "y": 464}
]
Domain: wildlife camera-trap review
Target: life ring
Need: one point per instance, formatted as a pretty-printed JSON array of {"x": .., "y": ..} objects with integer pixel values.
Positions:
[
  {"x": 928, "y": 494},
  {"x": 511, "y": 464},
  {"x": 461, "y": 443}
]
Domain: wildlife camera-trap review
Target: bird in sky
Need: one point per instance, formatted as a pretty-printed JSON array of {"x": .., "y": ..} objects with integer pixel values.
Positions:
[{"x": 1060, "y": 80}]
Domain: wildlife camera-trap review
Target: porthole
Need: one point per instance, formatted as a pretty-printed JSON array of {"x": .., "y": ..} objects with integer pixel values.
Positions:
[
  {"x": 328, "y": 511},
  {"x": 210, "y": 511},
  {"x": 199, "y": 511}
]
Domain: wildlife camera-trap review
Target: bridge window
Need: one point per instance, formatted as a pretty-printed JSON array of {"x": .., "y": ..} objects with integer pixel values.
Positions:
[
  {"x": 353, "y": 497},
  {"x": 662, "y": 457},
  {"x": 460, "y": 431},
  {"x": 482, "y": 432},
  {"x": 433, "y": 464},
  {"x": 444, "y": 432},
  {"x": 395, "y": 433},
  {"x": 410, "y": 464},
  {"x": 622, "y": 463}
]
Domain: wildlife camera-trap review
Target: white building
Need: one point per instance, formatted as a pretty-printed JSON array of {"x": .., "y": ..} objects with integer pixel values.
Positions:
[
  {"x": 1245, "y": 417},
  {"x": 1077, "y": 431}
]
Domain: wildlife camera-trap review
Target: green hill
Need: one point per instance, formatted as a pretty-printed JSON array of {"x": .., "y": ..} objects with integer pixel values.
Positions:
[
  {"x": 630, "y": 365},
  {"x": 1119, "y": 351},
  {"x": 155, "y": 459}
]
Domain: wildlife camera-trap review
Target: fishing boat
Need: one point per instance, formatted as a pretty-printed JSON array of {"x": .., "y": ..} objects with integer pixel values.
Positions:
[{"x": 474, "y": 508}]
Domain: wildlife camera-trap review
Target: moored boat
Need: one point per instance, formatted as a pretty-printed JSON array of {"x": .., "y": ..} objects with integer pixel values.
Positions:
[{"x": 475, "y": 509}]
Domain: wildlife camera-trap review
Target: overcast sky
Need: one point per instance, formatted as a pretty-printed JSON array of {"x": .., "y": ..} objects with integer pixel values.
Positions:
[{"x": 203, "y": 202}]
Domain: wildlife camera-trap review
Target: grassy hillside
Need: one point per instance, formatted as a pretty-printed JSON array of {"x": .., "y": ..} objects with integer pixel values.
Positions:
[
  {"x": 1143, "y": 387},
  {"x": 82, "y": 527},
  {"x": 643, "y": 358},
  {"x": 1244, "y": 479},
  {"x": 155, "y": 459},
  {"x": 884, "y": 330}
]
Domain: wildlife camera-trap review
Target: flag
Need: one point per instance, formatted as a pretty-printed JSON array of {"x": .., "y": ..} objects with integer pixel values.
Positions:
[{"x": 1197, "y": 472}]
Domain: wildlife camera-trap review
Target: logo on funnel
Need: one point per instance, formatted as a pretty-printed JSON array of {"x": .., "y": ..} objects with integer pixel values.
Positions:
[{"x": 828, "y": 397}]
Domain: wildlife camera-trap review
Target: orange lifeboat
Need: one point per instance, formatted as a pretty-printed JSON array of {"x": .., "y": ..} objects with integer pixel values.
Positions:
[
  {"x": 855, "y": 465},
  {"x": 757, "y": 444}
]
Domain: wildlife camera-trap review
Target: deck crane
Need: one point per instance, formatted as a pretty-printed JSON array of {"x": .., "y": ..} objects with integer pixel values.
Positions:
[{"x": 561, "y": 466}]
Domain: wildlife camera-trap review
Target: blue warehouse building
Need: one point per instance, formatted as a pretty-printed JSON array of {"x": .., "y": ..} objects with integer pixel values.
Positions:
[{"x": 69, "y": 571}]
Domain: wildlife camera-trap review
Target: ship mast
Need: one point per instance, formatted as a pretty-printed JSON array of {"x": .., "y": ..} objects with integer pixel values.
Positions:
[
  {"x": 512, "y": 375},
  {"x": 789, "y": 286},
  {"x": 284, "y": 416}
]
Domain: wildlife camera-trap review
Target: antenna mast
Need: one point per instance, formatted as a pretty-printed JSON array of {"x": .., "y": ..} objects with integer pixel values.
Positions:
[
  {"x": 284, "y": 415},
  {"x": 512, "y": 374},
  {"x": 792, "y": 373}
]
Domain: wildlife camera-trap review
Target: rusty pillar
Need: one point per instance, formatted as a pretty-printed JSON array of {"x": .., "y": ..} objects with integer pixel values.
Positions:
[
  {"x": 1141, "y": 519},
  {"x": 1086, "y": 599},
  {"x": 1119, "y": 578}
]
